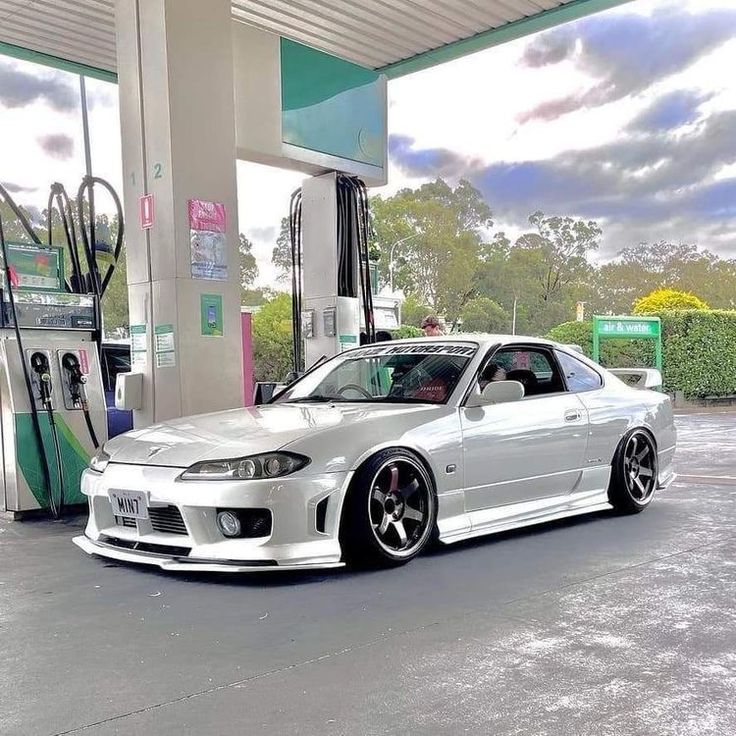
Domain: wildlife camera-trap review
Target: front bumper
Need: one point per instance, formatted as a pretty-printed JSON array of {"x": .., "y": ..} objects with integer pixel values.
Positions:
[{"x": 303, "y": 535}]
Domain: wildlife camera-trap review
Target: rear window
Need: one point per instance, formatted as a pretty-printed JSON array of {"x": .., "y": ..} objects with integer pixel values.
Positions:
[{"x": 578, "y": 376}]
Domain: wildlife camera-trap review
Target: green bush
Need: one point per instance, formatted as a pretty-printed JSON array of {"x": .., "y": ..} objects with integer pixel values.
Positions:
[
  {"x": 272, "y": 341},
  {"x": 614, "y": 353},
  {"x": 667, "y": 300},
  {"x": 407, "y": 331},
  {"x": 699, "y": 350}
]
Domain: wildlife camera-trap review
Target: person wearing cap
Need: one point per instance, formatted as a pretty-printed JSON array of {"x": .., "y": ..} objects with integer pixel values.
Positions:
[{"x": 431, "y": 326}]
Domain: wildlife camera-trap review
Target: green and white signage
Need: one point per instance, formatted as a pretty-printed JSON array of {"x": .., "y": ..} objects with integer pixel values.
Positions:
[{"x": 627, "y": 328}]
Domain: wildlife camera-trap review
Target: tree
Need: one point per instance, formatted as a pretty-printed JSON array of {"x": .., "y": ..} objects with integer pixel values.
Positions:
[
  {"x": 413, "y": 311},
  {"x": 546, "y": 271},
  {"x": 484, "y": 315},
  {"x": 116, "y": 320},
  {"x": 248, "y": 264},
  {"x": 433, "y": 235},
  {"x": 281, "y": 254},
  {"x": 662, "y": 300},
  {"x": 272, "y": 339},
  {"x": 639, "y": 269},
  {"x": 565, "y": 244}
]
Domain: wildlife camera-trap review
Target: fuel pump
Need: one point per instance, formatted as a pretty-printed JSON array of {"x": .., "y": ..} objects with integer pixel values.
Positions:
[
  {"x": 332, "y": 302},
  {"x": 52, "y": 402}
]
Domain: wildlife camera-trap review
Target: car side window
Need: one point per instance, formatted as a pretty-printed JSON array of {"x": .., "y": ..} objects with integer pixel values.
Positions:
[
  {"x": 578, "y": 376},
  {"x": 534, "y": 368}
]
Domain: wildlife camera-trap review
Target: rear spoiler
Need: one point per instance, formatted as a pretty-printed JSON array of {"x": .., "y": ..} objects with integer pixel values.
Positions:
[{"x": 642, "y": 378}]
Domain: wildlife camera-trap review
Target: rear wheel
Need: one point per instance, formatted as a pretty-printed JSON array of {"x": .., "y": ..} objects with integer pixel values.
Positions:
[
  {"x": 634, "y": 474},
  {"x": 390, "y": 511}
]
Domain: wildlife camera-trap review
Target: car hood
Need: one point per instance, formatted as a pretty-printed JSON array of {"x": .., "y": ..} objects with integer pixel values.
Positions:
[{"x": 240, "y": 432}]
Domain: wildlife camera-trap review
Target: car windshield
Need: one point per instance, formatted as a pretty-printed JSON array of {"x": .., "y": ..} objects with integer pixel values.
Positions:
[{"x": 421, "y": 373}]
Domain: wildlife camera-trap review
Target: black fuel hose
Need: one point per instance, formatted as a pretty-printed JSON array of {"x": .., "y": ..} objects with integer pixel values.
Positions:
[
  {"x": 295, "y": 232},
  {"x": 76, "y": 283},
  {"x": 18, "y": 212},
  {"x": 98, "y": 283}
]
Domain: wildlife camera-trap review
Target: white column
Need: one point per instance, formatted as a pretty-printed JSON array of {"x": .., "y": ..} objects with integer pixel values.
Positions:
[{"x": 175, "y": 72}]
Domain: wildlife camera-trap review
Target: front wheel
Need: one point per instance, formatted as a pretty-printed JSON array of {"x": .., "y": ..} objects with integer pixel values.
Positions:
[
  {"x": 634, "y": 474},
  {"x": 390, "y": 510}
]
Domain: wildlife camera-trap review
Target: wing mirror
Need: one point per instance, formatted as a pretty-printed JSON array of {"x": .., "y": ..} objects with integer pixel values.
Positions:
[{"x": 497, "y": 392}]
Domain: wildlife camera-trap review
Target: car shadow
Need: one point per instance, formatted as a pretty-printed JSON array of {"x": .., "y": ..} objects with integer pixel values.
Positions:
[
  {"x": 438, "y": 549},
  {"x": 296, "y": 578}
]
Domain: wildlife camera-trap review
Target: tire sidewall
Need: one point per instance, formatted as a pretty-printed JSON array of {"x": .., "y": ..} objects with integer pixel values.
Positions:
[
  {"x": 619, "y": 493},
  {"x": 357, "y": 540}
]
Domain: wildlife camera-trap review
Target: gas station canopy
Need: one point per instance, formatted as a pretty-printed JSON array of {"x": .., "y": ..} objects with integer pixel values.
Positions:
[{"x": 392, "y": 36}]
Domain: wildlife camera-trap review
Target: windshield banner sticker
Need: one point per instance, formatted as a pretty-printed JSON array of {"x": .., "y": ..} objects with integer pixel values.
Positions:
[{"x": 431, "y": 349}]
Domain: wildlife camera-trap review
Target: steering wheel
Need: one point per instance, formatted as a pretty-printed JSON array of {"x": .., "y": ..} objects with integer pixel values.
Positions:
[{"x": 354, "y": 387}]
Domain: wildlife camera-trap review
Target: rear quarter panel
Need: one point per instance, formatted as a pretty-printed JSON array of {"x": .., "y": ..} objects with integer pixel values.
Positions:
[{"x": 616, "y": 409}]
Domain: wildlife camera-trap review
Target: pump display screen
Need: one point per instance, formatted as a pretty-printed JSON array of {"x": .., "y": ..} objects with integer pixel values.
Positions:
[{"x": 36, "y": 267}]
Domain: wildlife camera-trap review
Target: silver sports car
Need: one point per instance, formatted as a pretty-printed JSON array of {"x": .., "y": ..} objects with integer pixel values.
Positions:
[{"x": 375, "y": 453}]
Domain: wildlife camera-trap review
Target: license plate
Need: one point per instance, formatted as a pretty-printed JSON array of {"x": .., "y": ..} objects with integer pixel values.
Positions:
[{"x": 129, "y": 503}]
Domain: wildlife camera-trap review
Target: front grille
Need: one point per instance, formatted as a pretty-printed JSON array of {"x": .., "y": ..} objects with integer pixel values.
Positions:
[
  {"x": 128, "y": 521},
  {"x": 167, "y": 520}
]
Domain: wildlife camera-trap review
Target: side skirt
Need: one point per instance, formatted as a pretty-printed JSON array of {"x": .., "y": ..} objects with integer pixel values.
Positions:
[{"x": 503, "y": 521}]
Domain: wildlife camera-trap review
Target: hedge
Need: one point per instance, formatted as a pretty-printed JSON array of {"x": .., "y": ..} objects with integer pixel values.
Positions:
[{"x": 699, "y": 350}]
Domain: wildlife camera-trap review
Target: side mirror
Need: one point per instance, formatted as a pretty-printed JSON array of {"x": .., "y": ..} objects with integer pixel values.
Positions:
[{"x": 497, "y": 392}]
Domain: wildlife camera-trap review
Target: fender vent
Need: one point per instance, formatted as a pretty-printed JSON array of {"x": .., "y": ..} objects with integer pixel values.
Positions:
[{"x": 321, "y": 515}]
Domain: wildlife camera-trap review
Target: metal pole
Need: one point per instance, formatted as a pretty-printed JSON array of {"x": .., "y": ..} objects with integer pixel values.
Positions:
[
  {"x": 513, "y": 318},
  {"x": 85, "y": 125},
  {"x": 391, "y": 258}
]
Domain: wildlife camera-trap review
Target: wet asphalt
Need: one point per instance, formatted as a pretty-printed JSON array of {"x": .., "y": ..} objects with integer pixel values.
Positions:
[{"x": 602, "y": 625}]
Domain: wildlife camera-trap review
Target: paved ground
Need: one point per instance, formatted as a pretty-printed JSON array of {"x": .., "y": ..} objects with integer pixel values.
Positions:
[{"x": 604, "y": 625}]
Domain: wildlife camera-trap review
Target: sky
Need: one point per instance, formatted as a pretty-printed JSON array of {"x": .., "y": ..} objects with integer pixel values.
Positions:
[{"x": 627, "y": 117}]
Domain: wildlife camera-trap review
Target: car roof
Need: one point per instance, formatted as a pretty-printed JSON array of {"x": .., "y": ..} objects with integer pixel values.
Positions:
[{"x": 480, "y": 338}]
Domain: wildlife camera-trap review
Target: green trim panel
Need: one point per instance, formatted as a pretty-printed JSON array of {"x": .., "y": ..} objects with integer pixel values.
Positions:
[
  {"x": 496, "y": 36},
  {"x": 74, "y": 458},
  {"x": 331, "y": 106},
  {"x": 38, "y": 57}
]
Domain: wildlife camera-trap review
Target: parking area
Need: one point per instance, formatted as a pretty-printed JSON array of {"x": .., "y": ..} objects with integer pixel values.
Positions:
[{"x": 601, "y": 625}]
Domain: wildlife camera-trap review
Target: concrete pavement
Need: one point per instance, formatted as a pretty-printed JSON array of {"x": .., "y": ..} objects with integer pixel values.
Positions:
[{"x": 599, "y": 625}]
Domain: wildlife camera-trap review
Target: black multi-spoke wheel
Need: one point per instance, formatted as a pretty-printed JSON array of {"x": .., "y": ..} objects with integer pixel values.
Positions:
[
  {"x": 634, "y": 474},
  {"x": 390, "y": 510}
]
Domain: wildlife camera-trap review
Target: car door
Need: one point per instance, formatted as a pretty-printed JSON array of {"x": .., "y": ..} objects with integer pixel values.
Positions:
[{"x": 529, "y": 449}]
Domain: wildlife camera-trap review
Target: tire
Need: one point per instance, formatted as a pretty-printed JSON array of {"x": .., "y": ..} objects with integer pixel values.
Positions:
[
  {"x": 390, "y": 511},
  {"x": 634, "y": 473}
]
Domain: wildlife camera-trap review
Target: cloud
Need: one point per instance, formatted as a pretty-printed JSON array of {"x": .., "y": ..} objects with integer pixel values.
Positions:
[
  {"x": 432, "y": 162},
  {"x": 57, "y": 145},
  {"x": 652, "y": 182},
  {"x": 19, "y": 88},
  {"x": 670, "y": 112},
  {"x": 551, "y": 48},
  {"x": 14, "y": 188},
  {"x": 625, "y": 54},
  {"x": 265, "y": 233}
]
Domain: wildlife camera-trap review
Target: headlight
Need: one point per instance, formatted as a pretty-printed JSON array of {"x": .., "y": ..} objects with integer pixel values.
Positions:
[
  {"x": 99, "y": 462},
  {"x": 254, "y": 467}
]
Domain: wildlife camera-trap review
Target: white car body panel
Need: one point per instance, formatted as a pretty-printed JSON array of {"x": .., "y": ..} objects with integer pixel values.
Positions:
[{"x": 494, "y": 468}]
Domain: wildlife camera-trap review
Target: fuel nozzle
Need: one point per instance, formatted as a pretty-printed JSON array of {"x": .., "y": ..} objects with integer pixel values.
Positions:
[
  {"x": 77, "y": 379},
  {"x": 40, "y": 366}
]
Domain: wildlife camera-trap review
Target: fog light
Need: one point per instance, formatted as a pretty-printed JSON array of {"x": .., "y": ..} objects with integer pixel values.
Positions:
[{"x": 228, "y": 523}]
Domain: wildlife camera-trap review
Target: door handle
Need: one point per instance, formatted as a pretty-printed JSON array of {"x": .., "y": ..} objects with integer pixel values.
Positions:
[{"x": 572, "y": 415}]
